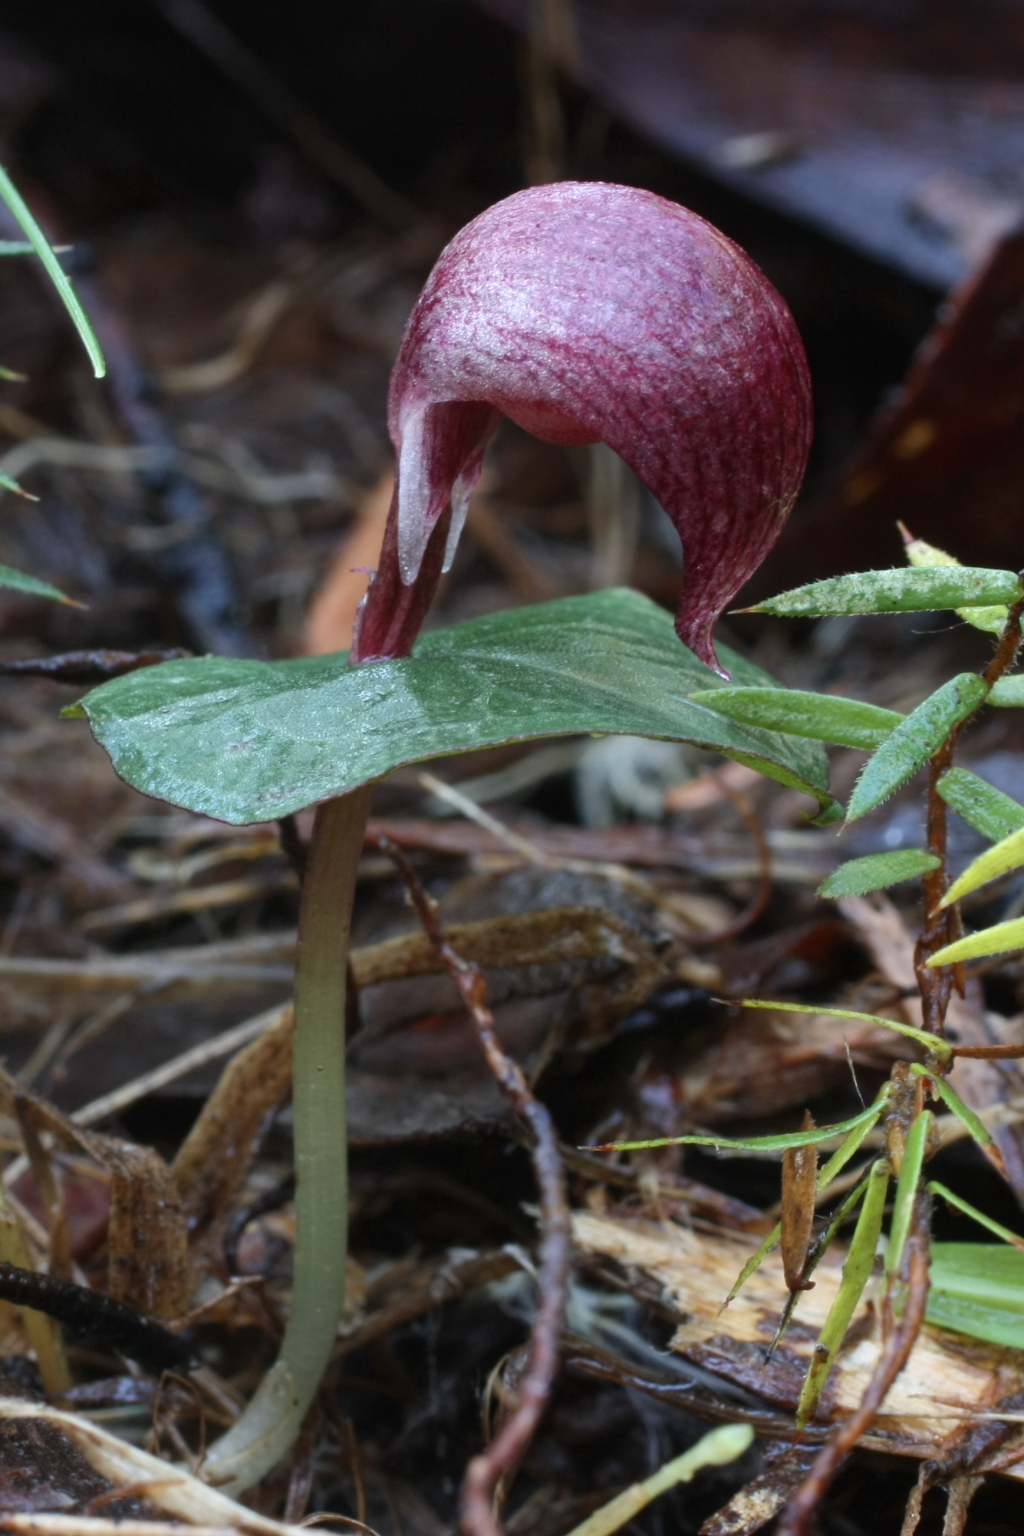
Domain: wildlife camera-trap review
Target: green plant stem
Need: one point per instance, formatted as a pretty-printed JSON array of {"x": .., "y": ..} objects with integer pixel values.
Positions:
[{"x": 270, "y": 1423}]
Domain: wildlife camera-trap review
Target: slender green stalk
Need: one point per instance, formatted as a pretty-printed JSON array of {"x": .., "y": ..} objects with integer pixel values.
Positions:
[{"x": 269, "y": 1425}]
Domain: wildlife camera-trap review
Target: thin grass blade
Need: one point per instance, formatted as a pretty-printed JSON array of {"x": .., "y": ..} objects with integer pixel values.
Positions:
[{"x": 856, "y": 1271}]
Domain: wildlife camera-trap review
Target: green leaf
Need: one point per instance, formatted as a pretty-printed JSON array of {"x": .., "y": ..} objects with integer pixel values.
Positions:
[
  {"x": 933, "y": 1043},
  {"x": 1006, "y": 855},
  {"x": 856, "y": 1271},
  {"x": 21, "y": 211},
  {"x": 876, "y": 871},
  {"x": 911, "y": 744},
  {"x": 1008, "y": 692},
  {"x": 978, "y": 1289},
  {"x": 901, "y": 590},
  {"x": 918, "y": 553},
  {"x": 997, "y": 940},
  {"x": 983, "y": 807},
  {"x": 248, "y": 741},
  {"x": 818, "y": 716},
  {"x": 19, "y": 582}
]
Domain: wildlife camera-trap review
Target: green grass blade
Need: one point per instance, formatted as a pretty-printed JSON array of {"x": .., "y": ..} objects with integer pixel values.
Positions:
[
  {"x": 1000, "y": 939},
  {"x": 755, "y": 1144},
  {"x": 933, "y": 1043},
  {"x": 876, "y": 871},
  {"x": 816, "y": 716},
  {"x": 914, "y": 1154},
  {"x": 1006, "y": 855},
  {"x": 21, "y": 211},
  {"x": 960, "y": 1204},
  {"x": 954, "y": 1102},
  {"x": 856, "y": 1272},
  {"x": 911, "y": 744},
  {"x": 7, "y": 484},
  {"x": 17, "y": 581},
  {"x": 981, "y": 805}
]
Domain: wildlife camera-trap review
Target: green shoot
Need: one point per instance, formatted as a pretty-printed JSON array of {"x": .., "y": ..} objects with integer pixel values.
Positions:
[{"x": 716, "y": 1449}]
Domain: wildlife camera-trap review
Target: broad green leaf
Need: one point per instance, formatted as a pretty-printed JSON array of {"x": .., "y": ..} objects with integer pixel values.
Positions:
[
  {"x": 1007, "y": 855},
  {"x": 901, "y": 590},
  {"x": 911, "y": 744},
  {"x": 876, "y": 871},
  {"x": 914, "y": 1153},
  {"x": 19, "y": 582},
  {"x": 756, "y": 1144},
  {"x": 997, "y": 940},
  {"x": 1008, "y": 692},
  {"x": 717, "y": 1448},
  {"x": 58, "y": 277},
  {"x": 978, "y": 1289},
  {"x": 859, "y": 1263},
  {"x": 248, "y": 741},
  {"x": 831, "y": 1170},
  {"x": 921, "y": 555},
  {"x": 933, "y": 1043},
  {"x": 977, "y": 1128},
  {"x": 983, "y": 807},
  {"x": 818, "y": 716},
  {"x": 960, "y": 1204}
]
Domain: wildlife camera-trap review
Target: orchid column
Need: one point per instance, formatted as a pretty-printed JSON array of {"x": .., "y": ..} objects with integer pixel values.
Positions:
[{"x": 586, "y": 313}]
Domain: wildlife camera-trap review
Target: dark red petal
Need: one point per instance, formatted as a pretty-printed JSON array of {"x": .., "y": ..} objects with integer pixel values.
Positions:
[{"x": 590, "y": 312}]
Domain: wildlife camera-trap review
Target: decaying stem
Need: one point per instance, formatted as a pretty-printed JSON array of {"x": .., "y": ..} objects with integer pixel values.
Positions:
[
  {"x": 485, "y": 1471},
  {"x": 271, "y": 1422}
]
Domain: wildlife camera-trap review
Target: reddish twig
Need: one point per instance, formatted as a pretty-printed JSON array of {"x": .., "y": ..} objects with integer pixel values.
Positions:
[
  {"x": 893, "y": 1358},
  {"x": 486, "y": 1470}
]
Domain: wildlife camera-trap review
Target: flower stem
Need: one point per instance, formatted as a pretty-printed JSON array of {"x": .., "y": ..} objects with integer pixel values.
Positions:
[{"x": 270, "y": 1423}]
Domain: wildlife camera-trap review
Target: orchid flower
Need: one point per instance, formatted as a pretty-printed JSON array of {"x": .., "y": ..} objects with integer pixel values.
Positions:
[{"x": 589, "y": 313}]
